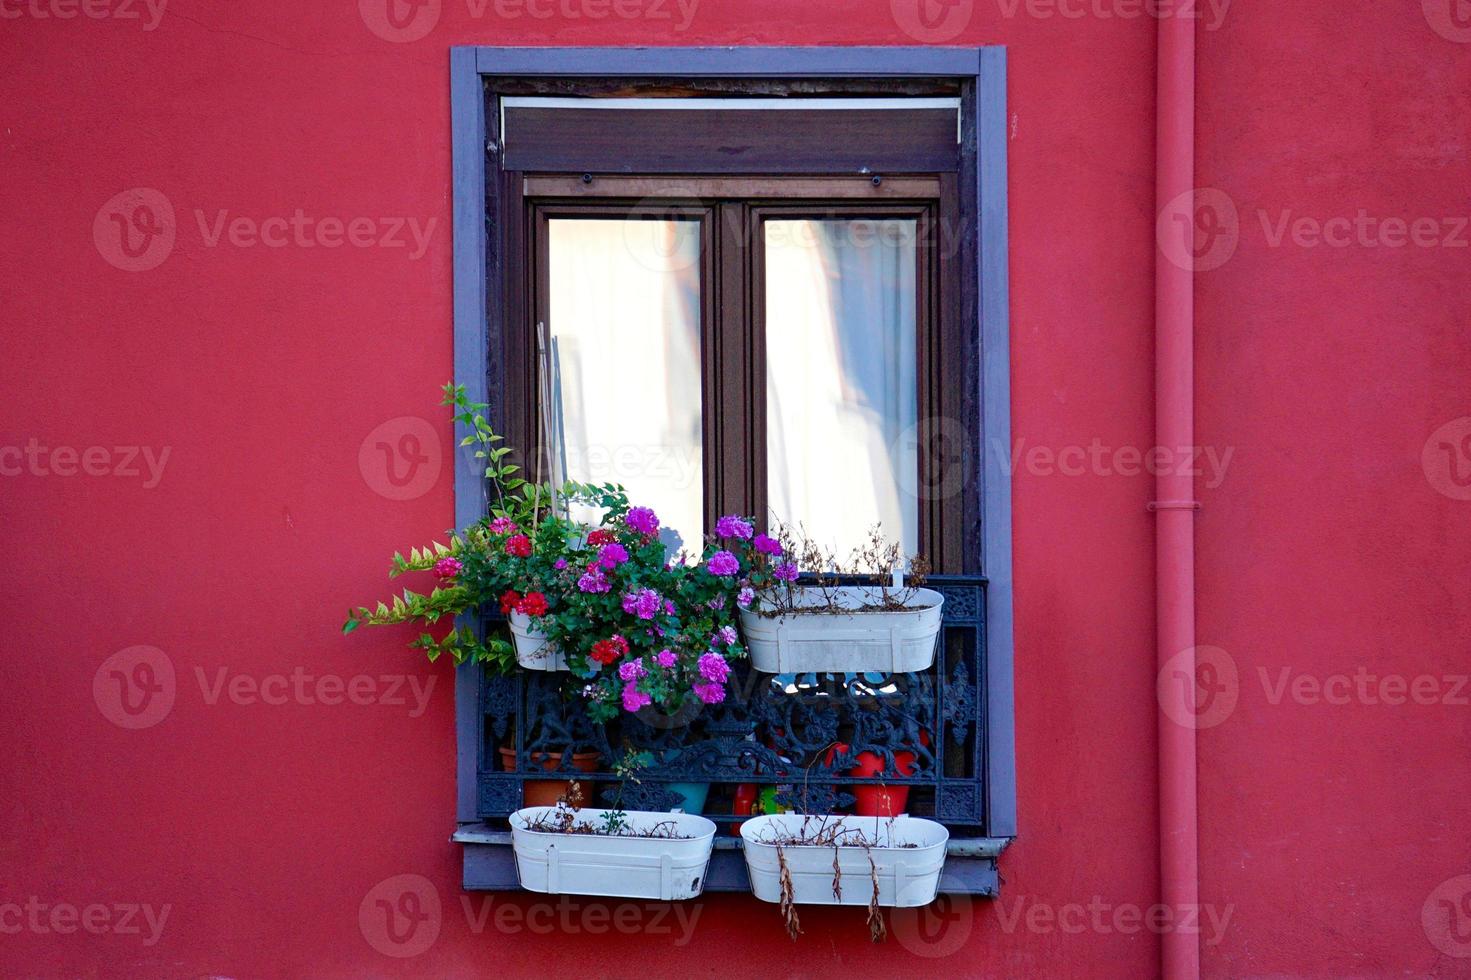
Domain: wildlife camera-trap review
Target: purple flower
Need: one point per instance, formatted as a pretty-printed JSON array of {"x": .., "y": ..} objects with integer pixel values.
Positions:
[
  {"x": 631, "y": 670},
  {"x": 746, "y": 597},
  {"x": 447, "y": 568},
  {"x": 732, "y": 526},
  {"x": 716, "y": 603},
  {"x": 612, "y": 555},
  {"x": 786, "y": 572},
  {"x": 711, "y": 693},
  {"x": 642, "y": 519},
  {"x": 725, "y": 635},
  {"x": 594, "y": 581},
  {"x": 768, "y": 545},
  {"x": 633, "y": 698},
  {"x": 559, "y": 564},
  {"x": 645, "y": 603},
  {"x": 669, "y": 607},
  {"x": 713, "y": 667},
  {"x": 724, "y": 563},
  {"x": 664, "y": 658}
]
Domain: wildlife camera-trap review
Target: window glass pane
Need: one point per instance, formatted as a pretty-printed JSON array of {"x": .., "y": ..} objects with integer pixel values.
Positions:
[
  {"x": 841, "y": 400},
  {"x": 624, "y": 311}
]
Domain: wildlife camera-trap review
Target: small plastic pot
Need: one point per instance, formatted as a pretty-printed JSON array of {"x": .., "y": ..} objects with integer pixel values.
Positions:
[{"x": 543, "y": 792}]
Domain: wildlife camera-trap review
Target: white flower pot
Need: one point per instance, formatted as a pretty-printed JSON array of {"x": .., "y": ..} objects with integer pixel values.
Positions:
[
  {"x": 533, "y": 650},
  {"x": 668, "y": 869},
  {"x": 907, "y": 876},
  {"x": 902, "y": 641}
]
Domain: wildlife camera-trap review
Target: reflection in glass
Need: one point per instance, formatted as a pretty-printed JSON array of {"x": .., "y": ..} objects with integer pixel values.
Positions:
[
  {"x": 625, "y": 328},
  {"x": 841, "y": 397}
]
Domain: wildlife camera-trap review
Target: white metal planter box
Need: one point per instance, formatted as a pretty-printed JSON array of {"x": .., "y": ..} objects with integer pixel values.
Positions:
[
  {"x": 662, "y": 868},
  {"x": 902, "y": 641},
  {"x": 907, "y": 876},
  {"x": 533, "y": 650}
]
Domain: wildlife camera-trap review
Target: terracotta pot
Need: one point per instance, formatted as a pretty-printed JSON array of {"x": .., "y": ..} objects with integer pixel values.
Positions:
[{"x": 545, "y": 792}]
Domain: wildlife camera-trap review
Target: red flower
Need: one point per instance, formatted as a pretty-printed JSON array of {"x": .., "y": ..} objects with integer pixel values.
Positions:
[
  {"x": 518, "y": 545},
  {"x": 535, "y": 604},
  {"x": 509, "y": 600},
  {"x": 610, "y": 650},
  {"x": 601, "y": 537}
]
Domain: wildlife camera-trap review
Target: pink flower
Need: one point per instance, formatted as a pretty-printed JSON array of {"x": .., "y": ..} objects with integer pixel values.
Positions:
[
  {"x": 786, "y": 572},
  {"x": 594, "y": 580},
  {"x": 631, "y": 670},
  {"x": 634, "y": 699},
  {"x": 710, "y": 693},
  {"x": 612, "y": 555},
  {"x": 502, "y": 525},
  {"x": 714, "y": 668},
  {"x": 642, "y": 519},
  {"x": 518, "y": 545},
  {"x": 746, "y": 597},
  {"x": 447, "y": 567},
  {"x": 724, "y": 563},
  {"x": 725, "y": 635},
  {"x": 768, "y": 545},
  {"x": 732, "y": 526},
  {"x": 665, "y": 658},
  {"x": 645, "y": 603},
  {"x": 559, "y": 564}
]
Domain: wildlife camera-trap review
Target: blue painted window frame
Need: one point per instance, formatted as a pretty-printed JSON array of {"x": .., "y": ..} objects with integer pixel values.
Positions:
[{"x": 985, "y": 68}]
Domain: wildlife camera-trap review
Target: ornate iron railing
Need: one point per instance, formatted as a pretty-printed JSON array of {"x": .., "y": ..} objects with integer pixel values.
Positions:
[{"x": 919, "y": 733}]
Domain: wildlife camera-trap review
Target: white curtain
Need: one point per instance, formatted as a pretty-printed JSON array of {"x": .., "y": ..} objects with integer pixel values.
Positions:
[{"x": 841, "y": 400}]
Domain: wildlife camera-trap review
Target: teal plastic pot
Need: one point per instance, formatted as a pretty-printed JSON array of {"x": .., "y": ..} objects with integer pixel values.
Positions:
[{"x": 693, "y": 794}]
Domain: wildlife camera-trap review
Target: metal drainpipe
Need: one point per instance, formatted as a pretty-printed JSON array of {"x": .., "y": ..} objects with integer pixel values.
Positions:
[{"x": 1174, "y": 504}]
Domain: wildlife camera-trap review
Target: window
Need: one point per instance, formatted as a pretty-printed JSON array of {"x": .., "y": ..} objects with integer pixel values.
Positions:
[{"x": 766, "y": 280}]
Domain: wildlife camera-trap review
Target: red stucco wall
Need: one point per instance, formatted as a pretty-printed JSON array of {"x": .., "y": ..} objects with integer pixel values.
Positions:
[{"x": 259, "y": 829}]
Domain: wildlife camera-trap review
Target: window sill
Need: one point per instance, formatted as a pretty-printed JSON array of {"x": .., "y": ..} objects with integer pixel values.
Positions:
[{"x": 490, "y": 865}]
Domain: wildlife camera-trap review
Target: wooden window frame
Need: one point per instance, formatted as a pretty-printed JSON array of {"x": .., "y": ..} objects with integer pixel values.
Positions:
[{"x": 483, "y": 237}]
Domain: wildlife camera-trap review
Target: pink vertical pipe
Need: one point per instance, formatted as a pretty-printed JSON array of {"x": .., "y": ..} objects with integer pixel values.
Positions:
[{"x": 1174, "y": 489}]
